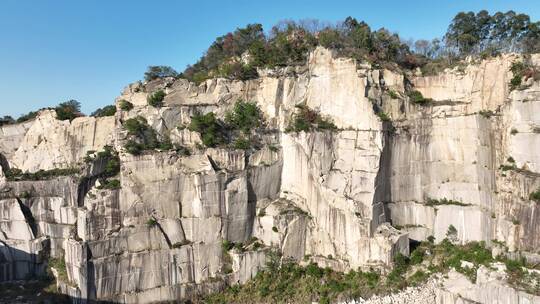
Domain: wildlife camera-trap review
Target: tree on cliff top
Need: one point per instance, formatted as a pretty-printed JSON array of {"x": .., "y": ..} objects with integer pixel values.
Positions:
[
  {"x": 161, "y": 71},
  {"x": 471, "y": 33},
  {"x": 289, "y": 42},
  {"x": 70, "y": 109}
]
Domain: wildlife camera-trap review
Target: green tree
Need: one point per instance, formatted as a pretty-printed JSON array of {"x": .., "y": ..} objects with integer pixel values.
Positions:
[
  {"x": 6, "y": 120},
  {"x": 105, "y": 111},
  {"x": 70, "y": 109},
  {"x": 28, "y": 116},
  {"x": 160, "y": 71},
  {"x": 209, "y": 127},
  {"x": 245, "y": 116}
]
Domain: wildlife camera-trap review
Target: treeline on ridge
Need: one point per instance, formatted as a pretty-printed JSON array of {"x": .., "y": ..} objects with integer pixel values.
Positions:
[{"x": 238, "y": 54}]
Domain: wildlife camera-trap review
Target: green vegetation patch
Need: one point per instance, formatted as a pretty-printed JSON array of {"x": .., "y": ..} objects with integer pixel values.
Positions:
[
  {"x": 245, "y": 116},
  {"x": 110, "y": 184},
  {"x": 125, "y": 105},
  {"x": 142, "y": 138},
  {"x": 306, "y": 119},
  {"x": 292, "y": 283},
  {"x": 417, "y": 98},
  {"x": 110, "y": 160},
  {"x": 210, "y": 128},
  {"x": 105, "y": 111},
  {"x": 522, "y": 70},
  {"x": 15, "y": 174},
  {"x": 535, "y": 196},
  {"x": 444, "y": 201},
  {"x": 60, "y": 265},
  {"x": 156, "y": 99}
]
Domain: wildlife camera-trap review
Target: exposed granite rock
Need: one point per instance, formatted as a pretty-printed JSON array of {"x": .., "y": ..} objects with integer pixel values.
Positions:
[
  {"x": 330, "y": 196},
  {"x": 50, "y": 143}
]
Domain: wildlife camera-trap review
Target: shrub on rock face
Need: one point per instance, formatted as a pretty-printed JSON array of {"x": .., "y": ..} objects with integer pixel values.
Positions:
[
  {"x": 133, "y": 147},
  {"x": 152, "y": 222},
  {"x": 209, "y": 127},
  {"x": 143, "y": 138},
  {"x": 535, "y": 196},
  {"x": 15, "y": 174},
  {"x": 237, "y": 70},
  {"x": 393, "y": 94},
  {"x": 156, "y": 99},
  {"x": 245, "y": 116},
  {"x": 125, "y": 105},
  {"x": 417, "y": 98},
  {"x": 242, "y": 143},
  {"x": 112, "y": 167},
  {"x": 110, "y": 184},
  {"x": 522, "y": 70},
  {"x": 105, "y": 111},
  {"x": 306, "y": 119},
  {"x": 383, "y": 116},
  {"x": 136, "y": 126}
]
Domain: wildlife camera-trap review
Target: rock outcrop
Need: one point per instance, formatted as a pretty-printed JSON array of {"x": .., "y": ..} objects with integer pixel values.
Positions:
[{"x": 346, "y": 198}]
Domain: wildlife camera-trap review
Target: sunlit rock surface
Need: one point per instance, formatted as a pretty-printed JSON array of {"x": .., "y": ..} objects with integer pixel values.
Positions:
[{"x": 346, "y": 199}]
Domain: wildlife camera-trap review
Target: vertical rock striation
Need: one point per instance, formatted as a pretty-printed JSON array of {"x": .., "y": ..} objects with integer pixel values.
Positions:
[{"x": 345, "y": 198}]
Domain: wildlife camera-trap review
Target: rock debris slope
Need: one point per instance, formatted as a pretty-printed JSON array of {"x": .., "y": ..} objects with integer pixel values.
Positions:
[{"x": 334, "y": 197}]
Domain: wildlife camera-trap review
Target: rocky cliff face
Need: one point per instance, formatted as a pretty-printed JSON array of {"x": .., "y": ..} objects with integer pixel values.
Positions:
[{"x": 333, "y": 197}]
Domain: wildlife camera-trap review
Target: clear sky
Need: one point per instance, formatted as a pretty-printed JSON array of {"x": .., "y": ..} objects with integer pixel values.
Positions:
[{"x": 55, "y": 50}]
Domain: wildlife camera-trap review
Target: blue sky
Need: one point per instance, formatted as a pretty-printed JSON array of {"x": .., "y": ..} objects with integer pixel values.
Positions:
[{"x": 55, "y": 50}]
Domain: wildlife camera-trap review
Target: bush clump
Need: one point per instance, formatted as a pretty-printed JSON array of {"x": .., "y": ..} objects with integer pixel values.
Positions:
[
  {"x": 210, "y": 128},
  {"x": 105, "y": 111},
  {"x": 311, "y": 283},
  {"x": 160, "y": 71},
  {"x": 110, "y": 184},
  {"x": 110, "y": 160},
  {"x": 383, "y": 116},
  {"x": 245, "y": 116},
  {"x": 306, "y": 119},
  {"x": 151, "y": 222},
  {"x": 393, "y": 94},
  {"x": 242, "y": 143},
  {"x": 535, "y": 196},
  {"x": 144, "y": 138},
  {"x": 59, "y": 264},
  {"x": 14, "y": 174},
  {"x": 125, "y": 105},
  {"x": 156, "y": 99},
  {"x": 136, "y": 126},
  {"x": 518, "y": 68},
  {"x": 289, "y": 43},
  {"x": 444, "y": 201},
  {"x": 522, "y": 70},
  {"x": 134, "y": 148},
  {"x": 68, "y": 110},
  {"x": 417, "y": 98}
]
